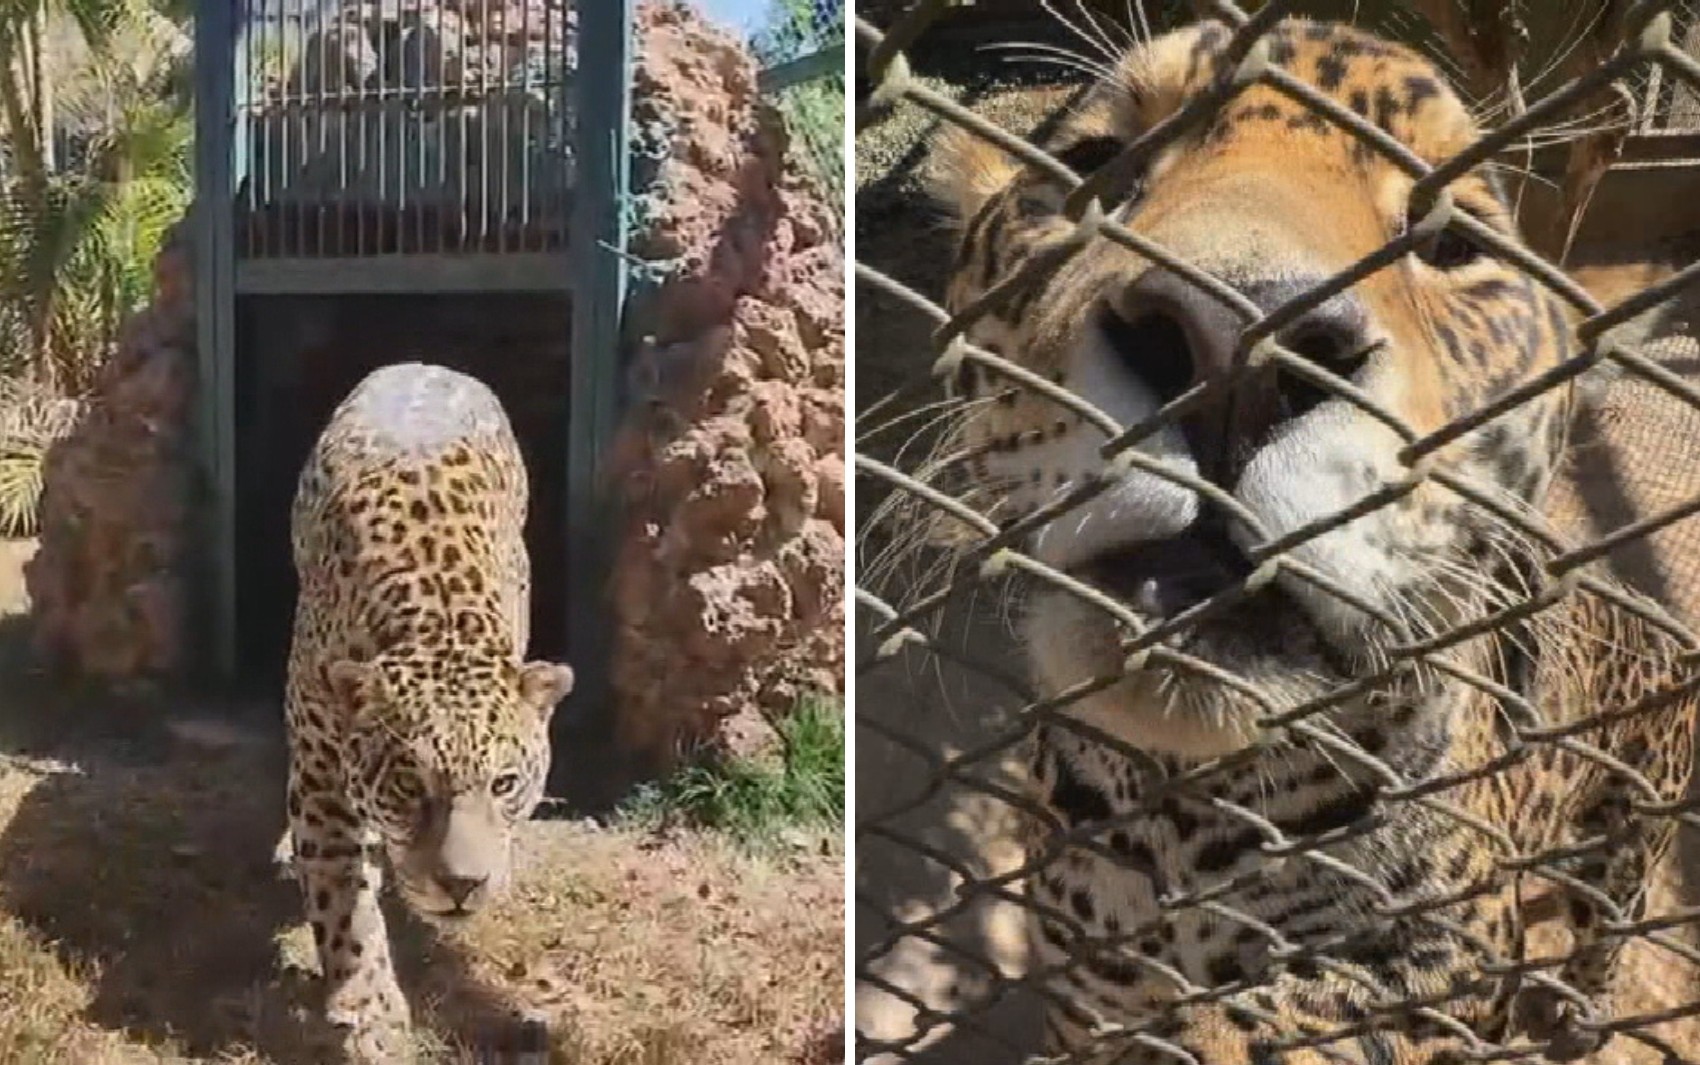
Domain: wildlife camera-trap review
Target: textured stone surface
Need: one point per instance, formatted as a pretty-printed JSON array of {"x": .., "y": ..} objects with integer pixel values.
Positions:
[
  {"x": 728, "y": 587},
  {"x": 107, "y": 587},
  {"x": 466, "y": 45}
]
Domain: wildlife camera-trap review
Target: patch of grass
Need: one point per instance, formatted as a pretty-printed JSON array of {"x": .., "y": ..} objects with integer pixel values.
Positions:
[{"x": 757, "y": 799}]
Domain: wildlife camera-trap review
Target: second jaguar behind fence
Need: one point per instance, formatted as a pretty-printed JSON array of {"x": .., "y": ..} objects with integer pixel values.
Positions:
[{"x": 1334, "y": 745}]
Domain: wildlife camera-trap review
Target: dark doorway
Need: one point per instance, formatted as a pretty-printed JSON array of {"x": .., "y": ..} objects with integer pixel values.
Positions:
[{"x": 298, "y": 356}]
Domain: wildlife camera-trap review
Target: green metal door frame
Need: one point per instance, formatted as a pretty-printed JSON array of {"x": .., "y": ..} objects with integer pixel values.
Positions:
[
  {"x": 601, "y": 109},
  {"x": 597, "y": 255},
  {"x": 215, "y": 341}
]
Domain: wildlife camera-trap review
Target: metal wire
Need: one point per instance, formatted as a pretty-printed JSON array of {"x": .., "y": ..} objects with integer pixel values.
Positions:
[
  {"x": 964, "y": 786},
  {"x": 408, "y": 127},
  {"x": 801, "y": 52}
]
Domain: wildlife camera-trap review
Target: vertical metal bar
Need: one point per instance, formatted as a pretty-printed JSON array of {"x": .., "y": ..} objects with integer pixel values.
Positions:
[
  {"x": 440, "y": 187},
  {"x": 268, "y": 138},
  {"x": 601, "y": 105},
  {"x": 553, "y": 99},
  {"x": 321, "y": 123},
  {"x": 422, "y": 71},
  {"x": 526, "y": 149},
  {"x": 484, "y": 126},
  {"x": 344, "y": 174},
  {"x": 398, "y": 100},
  {"x": 249, "y": 87},
  {"x": 384, "y": 211},
  {"x": 463, "y": 104},
  {"x": 298, "y": 120},
  {"x": 362, "y": 161},
  {"x": 1650, "y": 99},
  {"x": 215, "y": 322},
  {"x": 504, "y": 134}
]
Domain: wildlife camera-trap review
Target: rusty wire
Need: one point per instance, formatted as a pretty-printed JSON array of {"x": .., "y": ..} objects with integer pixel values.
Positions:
[{"x": 890, "y": 627}]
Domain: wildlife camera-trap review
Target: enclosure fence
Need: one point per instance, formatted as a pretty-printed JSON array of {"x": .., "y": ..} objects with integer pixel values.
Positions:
[
  {"x": 410, "y": 147},
  {"x": 901, "y": 620},
  {"x": 802, "y": 57},
  {"x": 421, "y": 126}
]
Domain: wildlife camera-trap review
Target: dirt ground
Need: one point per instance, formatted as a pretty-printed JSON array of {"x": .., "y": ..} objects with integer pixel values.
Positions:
[{"x": 141, "y": 919}]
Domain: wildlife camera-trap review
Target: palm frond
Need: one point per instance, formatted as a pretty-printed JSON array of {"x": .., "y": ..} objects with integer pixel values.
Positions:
[
  {"x": 77, "y": 245},
  {"x": 32, "y": 420},
  {"x": 100, "y": 20}
]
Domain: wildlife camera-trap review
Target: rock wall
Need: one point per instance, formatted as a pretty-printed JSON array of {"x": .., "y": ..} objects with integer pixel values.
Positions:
[
  {"x": 108, "y": 585},
  {"x": 727, "y": 590}
]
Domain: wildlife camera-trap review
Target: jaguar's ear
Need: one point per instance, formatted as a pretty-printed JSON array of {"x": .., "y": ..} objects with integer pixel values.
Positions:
[
  {"x": 964, "y": 171},
  {"x": 544, "y": 684}
]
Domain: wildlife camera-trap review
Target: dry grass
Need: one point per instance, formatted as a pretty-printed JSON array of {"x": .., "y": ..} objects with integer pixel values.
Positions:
[{"x": 141, "y": 920}]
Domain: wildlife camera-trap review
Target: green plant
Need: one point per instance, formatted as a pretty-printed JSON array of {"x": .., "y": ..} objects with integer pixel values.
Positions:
[
  {"x": 755, "y": 799},
  {"x": 96, "y": 133},
  {"x": 814, "y": 114},
  {"x": 32, "y": 419},
  {"x": 21, "y": 466},
  {"x": 813, "y": 108}
]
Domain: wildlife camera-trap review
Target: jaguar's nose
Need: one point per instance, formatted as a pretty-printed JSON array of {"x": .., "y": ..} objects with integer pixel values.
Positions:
[
  {"x": 461, "y": 888},
  {"x": 1172, "y": 335}
]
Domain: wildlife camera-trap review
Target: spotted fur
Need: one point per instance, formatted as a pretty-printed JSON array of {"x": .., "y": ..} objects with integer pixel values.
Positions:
[
  {"x": 416, "y": 727},
  {"x": 1292, "y": 895}
]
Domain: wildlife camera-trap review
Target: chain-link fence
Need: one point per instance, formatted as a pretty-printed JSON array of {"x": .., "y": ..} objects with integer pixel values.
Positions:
[
  {"x": 1665, "y": 104},
  {"x": 1205, "y": 794},
  {"x": 801, "y": 50}
]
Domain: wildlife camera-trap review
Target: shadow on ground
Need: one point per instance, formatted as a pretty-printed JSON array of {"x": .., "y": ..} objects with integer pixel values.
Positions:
[
  {"x": 915, "y": 833},
  {"x": 142, "y": 853}
]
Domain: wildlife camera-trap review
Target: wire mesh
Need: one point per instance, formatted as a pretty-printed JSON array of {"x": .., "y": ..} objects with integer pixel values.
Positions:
[
  {"x": 413, "y": 127},
  {"x": 1665, "y": 104},
  {"x": 801, "y": 52},
  {"x": 977, "y": 914}
]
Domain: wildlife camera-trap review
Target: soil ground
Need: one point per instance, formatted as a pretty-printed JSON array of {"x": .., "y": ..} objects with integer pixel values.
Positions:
[{"x": 142, "y": 921}]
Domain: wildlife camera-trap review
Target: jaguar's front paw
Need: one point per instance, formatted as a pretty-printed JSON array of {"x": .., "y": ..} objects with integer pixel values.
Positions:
[
  {"x": 376, "y": 1044},
  {"x": 371, "y": 1027}
]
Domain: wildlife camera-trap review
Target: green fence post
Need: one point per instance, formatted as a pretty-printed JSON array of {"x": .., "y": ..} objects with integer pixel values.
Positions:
[
  {"x": 601, "y": 111},
  {"x": 215, "y": 272}
]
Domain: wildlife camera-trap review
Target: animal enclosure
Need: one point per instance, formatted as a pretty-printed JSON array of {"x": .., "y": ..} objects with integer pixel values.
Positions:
[{"x": 384, "y": 182}]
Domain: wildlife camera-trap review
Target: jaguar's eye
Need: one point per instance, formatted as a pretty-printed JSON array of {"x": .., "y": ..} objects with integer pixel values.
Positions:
[
  {"x": 1090, "y": 155},
  {"x": 506, "y": 784},
  {"x": 1451, "y": 249}
]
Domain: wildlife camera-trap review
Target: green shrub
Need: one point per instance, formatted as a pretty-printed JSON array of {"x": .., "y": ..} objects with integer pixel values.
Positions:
[
  {"x": 757, "y": 799},
  {"x": 32, "y": 419}
]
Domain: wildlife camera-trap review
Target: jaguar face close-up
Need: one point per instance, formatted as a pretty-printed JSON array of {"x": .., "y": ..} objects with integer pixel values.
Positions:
[{"x": 1270, "y": 200}]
